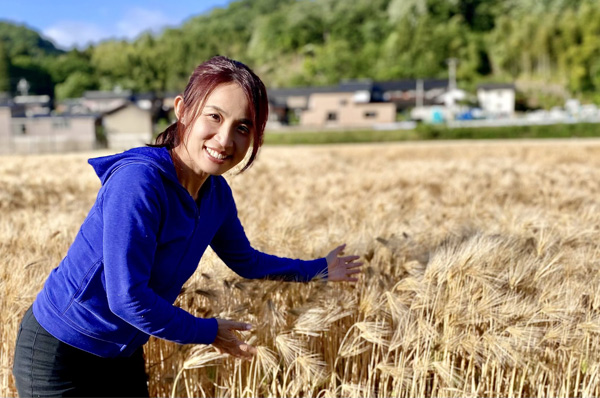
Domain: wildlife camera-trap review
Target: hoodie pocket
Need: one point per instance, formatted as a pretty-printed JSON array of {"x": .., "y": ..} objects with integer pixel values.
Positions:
[
  {"x": 91, "y": 309},
  {"x": 92, "y": 284}
]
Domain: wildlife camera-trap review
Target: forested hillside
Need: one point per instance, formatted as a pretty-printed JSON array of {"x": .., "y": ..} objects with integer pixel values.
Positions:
[{"x": 552, "y": 45}]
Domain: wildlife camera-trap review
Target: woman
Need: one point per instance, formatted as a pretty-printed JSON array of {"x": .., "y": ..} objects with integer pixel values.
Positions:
[{"x": 158, "y": 209}]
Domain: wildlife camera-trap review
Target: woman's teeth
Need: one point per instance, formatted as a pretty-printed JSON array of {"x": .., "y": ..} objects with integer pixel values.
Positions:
[{"x": 215, "y": 154}]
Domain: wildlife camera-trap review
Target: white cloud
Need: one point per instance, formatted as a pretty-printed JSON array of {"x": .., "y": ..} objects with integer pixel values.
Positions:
[
  {"x": 67, "y": 34},
  {"x": 135, "y": 20}
]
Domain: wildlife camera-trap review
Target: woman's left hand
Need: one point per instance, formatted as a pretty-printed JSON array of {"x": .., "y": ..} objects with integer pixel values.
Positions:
[{"x": 341, "y": 269}]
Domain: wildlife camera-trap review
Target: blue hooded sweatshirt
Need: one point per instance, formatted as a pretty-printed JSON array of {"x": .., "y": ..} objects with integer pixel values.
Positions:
[{"x": 141, "y": 241}]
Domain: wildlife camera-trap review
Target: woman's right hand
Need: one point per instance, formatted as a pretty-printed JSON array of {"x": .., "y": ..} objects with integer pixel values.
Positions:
[{"x": 227, "y": 341}]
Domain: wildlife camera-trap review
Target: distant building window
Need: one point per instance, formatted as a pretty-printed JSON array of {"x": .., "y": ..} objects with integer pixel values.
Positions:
[
  {"x": 331, "y": 116},
  {"x": 370, "y": 114}
]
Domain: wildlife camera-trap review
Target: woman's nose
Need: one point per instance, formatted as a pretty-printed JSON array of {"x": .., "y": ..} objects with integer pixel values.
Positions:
[{"x": 225, "y": 137}]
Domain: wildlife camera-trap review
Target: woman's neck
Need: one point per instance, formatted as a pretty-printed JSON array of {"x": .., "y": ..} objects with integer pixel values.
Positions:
[{"x": 188, "y": 178}]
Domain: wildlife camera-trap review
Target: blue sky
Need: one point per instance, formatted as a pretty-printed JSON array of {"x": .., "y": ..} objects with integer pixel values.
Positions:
[{"x": 70, "y": 23}]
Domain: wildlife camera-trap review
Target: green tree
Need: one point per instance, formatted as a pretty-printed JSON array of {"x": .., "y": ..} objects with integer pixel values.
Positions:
[
  {"x": 4, "y": 70},
  {"x": 111, "y": 63},
  {"x": 75, "y": 85},
  {"x": 148, "y": 62},
  {"x": 23, "y": 41},
  {"x": 64, "y": 65}
]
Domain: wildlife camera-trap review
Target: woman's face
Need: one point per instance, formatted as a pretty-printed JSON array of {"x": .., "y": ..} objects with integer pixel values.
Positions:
[{"x": 221, "y": 134}]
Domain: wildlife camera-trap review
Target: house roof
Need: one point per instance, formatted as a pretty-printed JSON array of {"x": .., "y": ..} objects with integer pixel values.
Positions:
[
  {"x": 356, "y": 85},
  {"x": 280, "y": 95},
  {"x": 299, "y": 91},
  {"x": 411, "y": 84},
  {"x": 101, "y": 95}
]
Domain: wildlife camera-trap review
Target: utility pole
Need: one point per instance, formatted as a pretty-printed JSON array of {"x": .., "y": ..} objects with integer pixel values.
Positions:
[
  {"x": 419, "y": 93},
  {"x": 452, "y": 73}
]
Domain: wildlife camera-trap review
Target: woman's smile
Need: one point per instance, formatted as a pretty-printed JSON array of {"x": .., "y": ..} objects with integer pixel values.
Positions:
[{"x": 216, "y": 155}]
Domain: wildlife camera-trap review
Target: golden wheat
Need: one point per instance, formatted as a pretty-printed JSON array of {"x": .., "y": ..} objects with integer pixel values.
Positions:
[{"x": 482, "y": 272}]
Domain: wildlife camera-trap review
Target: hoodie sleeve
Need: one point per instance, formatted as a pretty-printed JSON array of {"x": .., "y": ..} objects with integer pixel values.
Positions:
[
  {"x": 131, "y": 209},
  {"x": 232, "y": 246}
]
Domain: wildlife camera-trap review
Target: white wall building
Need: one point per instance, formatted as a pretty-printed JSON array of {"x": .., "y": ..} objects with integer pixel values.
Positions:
[{"x": 497, "y": 100}]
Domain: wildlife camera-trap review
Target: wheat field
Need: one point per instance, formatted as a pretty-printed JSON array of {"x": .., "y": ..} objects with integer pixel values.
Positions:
[{"x": 481, "y": 276}]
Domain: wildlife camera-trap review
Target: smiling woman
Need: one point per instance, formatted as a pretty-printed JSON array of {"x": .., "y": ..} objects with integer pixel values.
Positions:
[
  {"x": 157, "y": 211},
  {"x": 219, "y": 114},
  {"x": 219, "y": 138}
]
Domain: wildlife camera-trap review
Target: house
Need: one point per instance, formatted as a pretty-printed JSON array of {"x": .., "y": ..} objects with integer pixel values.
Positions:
[
  {"x": 27, "y": 127},
  {"x": 306, "y": 104},
  {"x": 127, "y": 126},
  {"x": 351, "y": 103},
  {"x": 27, "y": 124},
  {"x": 346, "y": 109},
  {"x": 44, "y": 134},
  {"x": 497, "y": 100},
  {"x": 127, "y": 120},
  {"x": 289, "y": 103}
]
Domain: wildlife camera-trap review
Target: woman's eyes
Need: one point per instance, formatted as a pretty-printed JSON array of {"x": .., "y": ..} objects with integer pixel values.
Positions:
[{"x": 242, "y": 128}]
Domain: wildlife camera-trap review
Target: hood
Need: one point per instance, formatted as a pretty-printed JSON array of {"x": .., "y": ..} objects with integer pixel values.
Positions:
[{"x": 157, "y": 157}]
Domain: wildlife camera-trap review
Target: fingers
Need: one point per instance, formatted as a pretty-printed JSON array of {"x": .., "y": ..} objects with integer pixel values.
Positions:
[
  {"x": 339, "y": 250},
  {"x": 349, "y": 278},
  {"x": 233, "y": 325},
  {"x": 227, "y": 340},
  {"x": 240, "y": 326},
  {"x": 235, "y": 347},
  {"x": 243, "y": 351},
  {"x": 247, "y": 348},
  {"x": 350, "y": 258},
  {"x": 350, "y": 262},
  {"x": 343, "y": 268}
]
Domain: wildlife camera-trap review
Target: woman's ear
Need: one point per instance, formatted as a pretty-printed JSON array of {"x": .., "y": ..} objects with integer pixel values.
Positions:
[{"x": 178, "y": 107}]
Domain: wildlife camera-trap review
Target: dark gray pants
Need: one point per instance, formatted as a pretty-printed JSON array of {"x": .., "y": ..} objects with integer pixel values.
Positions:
[{"x": 46, "y": 367}]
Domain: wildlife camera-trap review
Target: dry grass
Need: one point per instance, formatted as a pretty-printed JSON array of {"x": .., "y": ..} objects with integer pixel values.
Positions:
[{"x": 482, "y": 270}]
